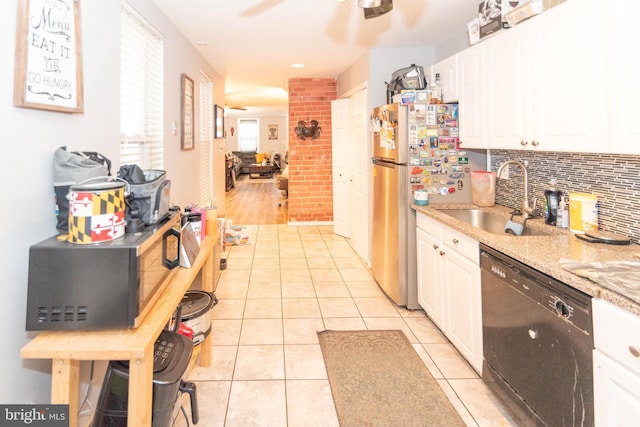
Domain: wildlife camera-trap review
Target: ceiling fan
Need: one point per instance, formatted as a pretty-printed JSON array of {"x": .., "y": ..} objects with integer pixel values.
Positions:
[{"x": 372, "y": 8}]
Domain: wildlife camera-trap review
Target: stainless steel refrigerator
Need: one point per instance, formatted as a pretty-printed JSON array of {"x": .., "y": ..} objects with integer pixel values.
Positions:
[{"x": 414, "y": 146}]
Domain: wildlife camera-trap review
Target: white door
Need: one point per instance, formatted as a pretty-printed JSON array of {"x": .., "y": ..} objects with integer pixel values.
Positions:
[
  {"x": 359, "y": 166},
  {"x": 340, "y": 154}
]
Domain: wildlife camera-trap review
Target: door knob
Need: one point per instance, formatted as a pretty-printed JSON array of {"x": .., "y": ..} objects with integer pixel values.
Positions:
[
  {"x": 535, "y": 143},
  {"x": 634, "y": 351},
  {"x": 533, "y": 334},
  {"x": 523, "y": 142}
]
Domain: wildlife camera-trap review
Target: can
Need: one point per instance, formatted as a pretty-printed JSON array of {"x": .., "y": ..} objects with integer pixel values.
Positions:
[
  {"x": 583, "y": 212},
  {"x": 96, "y": 212}
]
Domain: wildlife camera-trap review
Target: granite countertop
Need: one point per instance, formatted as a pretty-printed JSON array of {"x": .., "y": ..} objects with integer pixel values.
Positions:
[{"x": 544, "y": 252}]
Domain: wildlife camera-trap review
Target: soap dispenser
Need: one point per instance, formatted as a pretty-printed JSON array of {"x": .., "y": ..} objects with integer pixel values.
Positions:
[{"x": 551, "y": 199}]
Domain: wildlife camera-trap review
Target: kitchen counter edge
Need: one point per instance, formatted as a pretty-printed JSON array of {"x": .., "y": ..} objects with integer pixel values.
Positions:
[{"x": 543, "y": 253}]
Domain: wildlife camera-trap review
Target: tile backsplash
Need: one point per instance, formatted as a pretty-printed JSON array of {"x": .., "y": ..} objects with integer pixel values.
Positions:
[{"x": 614, "y": 178}]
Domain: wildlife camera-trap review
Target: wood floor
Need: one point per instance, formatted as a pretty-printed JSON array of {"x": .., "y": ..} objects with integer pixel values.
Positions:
[{"x": 255, "y": 201}]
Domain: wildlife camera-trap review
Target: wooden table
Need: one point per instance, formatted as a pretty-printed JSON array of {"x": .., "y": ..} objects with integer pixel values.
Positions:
[
  {"x": 68, "y": 348},
  {"x": 265, "y": 171}
]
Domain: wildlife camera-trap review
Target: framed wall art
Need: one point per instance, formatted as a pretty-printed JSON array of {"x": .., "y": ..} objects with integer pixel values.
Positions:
[
  {"x": 273, "y": 132},
  {"x": 187, "y": 135},
  {"x": 219, "y": 122},
  {"x": 48, "y": 70}
]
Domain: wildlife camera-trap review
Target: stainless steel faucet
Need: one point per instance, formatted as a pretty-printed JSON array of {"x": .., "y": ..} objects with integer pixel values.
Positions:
[{"x": 527, "y": 211}]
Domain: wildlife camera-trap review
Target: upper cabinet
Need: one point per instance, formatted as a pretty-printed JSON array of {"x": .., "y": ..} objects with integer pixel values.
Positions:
[
  {"x": 545, "y": 79},
  {"x": 508, "y": 81},
  {"x": 447, "y": 70},
  {"x": 568, "y": 74},
  {"x": 471, "y": 97},
  {"x": 565, "y": 80},
  {"x": 623, "y": 69}
]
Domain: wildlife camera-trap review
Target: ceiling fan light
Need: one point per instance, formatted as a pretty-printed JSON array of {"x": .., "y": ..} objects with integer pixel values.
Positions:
[{"x": 369, "y": 3}]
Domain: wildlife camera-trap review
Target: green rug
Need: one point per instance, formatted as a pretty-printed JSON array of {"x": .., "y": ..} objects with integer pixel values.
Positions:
[{"x": 377, "y": 379}]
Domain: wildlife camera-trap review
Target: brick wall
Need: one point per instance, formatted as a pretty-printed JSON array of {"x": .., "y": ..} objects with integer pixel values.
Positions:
[{"x": 310, "y": 161}]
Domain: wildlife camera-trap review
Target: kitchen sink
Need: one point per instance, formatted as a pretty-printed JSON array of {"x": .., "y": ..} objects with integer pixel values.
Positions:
[{"x": 490, "y": 222}]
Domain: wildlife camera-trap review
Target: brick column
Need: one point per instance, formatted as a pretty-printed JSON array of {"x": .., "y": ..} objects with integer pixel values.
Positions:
[{"x": 310, "y": 160}]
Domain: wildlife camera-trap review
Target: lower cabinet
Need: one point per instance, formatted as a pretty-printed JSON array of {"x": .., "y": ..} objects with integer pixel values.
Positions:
[
  {"x": 616, "y": 365},
  {"x": 449, "y": 285}
]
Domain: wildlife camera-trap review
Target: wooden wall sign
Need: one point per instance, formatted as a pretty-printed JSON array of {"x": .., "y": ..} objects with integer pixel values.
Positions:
[{"x": 48, "y": 66}]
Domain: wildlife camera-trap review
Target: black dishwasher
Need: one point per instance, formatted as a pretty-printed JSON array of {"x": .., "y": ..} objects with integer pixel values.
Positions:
[{"x": 537, "y": 342}]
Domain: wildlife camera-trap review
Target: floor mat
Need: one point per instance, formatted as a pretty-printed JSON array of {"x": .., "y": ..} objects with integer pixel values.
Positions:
[{"x": 377, "y": 379}]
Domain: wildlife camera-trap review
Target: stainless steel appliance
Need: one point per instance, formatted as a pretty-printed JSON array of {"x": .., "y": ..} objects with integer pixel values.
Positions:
[
  {"x": 106, "y": 285},
  {"x": 538, "y": 343},
  {"x": 393, "y": 240},
  {"x": 414, "y": 147}
]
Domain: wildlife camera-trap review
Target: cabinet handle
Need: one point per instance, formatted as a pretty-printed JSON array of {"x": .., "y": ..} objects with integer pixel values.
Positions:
[
  {"x": 634, "y": 351},
  {"x": 442, "y": 253},
  {"x": 533, "y": 334},
  {"x": 535, "y": 143},
  {"x": 435, "y": 246},
  {"x": 455, "y": 241},
  {"x": 523, "y": 142}
]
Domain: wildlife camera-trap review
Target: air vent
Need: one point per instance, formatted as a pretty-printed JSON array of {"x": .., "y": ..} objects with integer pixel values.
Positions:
[{"x": 57, "y": 314}]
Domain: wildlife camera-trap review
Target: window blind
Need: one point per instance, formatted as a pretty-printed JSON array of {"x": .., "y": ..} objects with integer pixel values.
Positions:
[
  {"x": 141, "y": 91},
  {"x": 206, "y": 140},
  {"x": 248, "y": 134}
]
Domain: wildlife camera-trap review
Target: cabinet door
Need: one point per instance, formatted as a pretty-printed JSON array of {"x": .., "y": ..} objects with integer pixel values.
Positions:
[
  {"x": 568, "y": 78},
  {"x": 462, "y": 293},
  {"x": 615, "y": 390},
  {"x": 623, "y": 69},
  {"x": 470, "y": 89},
  {"x": 448, "y": 71},
  {"x": 506, "y": 71},
  {"x": 430, "y": 295}
]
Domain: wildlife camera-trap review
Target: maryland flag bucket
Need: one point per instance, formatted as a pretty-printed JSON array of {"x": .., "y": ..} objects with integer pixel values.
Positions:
[{"x": 96, "y": 211}]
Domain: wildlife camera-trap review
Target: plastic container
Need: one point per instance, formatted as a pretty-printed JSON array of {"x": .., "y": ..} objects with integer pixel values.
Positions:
[
  {"x": 421, "y": 197},
  {"x": 551, "y": 201},
  {"x": 583, "y": 212},
  {"x": 483, "y": 188}
]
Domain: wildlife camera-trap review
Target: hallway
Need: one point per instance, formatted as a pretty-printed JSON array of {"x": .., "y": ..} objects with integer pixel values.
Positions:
[
  {"x": 276, "y": 293},
  {"x": 255, "y": 201}
]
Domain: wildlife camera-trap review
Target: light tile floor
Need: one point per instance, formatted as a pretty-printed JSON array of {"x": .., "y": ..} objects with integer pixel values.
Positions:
[{"x": 275, "y": 295}]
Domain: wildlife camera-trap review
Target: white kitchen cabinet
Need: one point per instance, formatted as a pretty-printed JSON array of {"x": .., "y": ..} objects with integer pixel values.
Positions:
[
  {"x": 448, "y": 71},
  {"x": 449, "y": 285},
  {"x": 568, "y": 77},
  {"x": 471, "y": 97},
  {"x": 546, "y": 82},
  {"x": 623, "y": 69},
  {"x": 507, "y": 77},
  {"x": 430, "y": 291},
  {"x": 616, "y": 365}
]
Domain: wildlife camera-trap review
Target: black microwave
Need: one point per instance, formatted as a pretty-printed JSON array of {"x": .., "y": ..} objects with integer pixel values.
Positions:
[{"x": 108, "y": 285}]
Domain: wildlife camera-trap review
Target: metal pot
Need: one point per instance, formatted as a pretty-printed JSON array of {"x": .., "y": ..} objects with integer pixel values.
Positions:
[{"x": 196, "y": 313}]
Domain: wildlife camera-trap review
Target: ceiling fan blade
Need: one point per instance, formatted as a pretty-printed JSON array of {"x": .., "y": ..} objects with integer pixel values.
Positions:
[
  {"x": 374, "y": 12},
  {"x": 261, "y": 7}
]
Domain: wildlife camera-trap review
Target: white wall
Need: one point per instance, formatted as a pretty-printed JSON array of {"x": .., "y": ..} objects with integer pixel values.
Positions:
[
  {"x": 33, "y": 135},
  {"x": 384, "y": 61}
]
